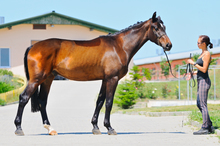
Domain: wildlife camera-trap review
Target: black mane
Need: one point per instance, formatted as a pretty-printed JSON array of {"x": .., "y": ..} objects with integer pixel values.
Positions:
[{"x": 126, "y": 29}]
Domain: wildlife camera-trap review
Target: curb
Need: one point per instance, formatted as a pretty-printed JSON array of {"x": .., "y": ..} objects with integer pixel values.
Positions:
[
  {"x": 199, "y": 125},
  {"x": 157, "y": 114}
]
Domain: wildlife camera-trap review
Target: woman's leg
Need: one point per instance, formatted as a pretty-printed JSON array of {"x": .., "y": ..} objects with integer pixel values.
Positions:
[{"x": 204, "y": 86}]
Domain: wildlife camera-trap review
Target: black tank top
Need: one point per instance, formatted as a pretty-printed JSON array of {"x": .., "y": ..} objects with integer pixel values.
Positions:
[{"x": 201, "y": 75}]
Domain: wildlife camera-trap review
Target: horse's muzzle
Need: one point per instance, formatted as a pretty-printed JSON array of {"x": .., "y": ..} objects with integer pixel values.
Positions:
[{"x": 167, "y": 47}]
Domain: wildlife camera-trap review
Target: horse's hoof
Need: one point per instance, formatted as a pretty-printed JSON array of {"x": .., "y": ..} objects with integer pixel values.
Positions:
[
  {"x": 96, "y": 131},
  {"x": 19, "y": 132},
  {"x": 53, "y": 133},
  {"x": 112, "y": 132}
]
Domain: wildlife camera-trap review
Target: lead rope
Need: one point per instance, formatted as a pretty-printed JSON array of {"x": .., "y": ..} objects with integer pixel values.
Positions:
[
  {"x": 169, "y": 65},
  {"x": 188, "y": 67}
]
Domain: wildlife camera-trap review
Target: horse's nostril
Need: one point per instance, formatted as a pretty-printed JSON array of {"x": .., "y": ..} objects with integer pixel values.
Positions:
[{"x": 168, "y": 45}]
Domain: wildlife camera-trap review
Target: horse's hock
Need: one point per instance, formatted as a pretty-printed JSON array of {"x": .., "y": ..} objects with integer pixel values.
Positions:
[{"x": 10, "y": 94}]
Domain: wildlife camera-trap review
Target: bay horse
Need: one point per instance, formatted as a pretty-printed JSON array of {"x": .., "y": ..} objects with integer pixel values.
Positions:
[{"x": 104, "y": 58}]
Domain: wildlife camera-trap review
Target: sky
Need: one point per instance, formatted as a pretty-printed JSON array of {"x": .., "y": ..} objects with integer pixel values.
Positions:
[{"x": 185, "y": 20}]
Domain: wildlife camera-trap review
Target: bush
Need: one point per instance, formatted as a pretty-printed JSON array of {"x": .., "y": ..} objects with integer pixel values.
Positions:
[
  {"x": 165, "y": 91},
  {"x": 5, "y": 72},
  {"x": 126, "y": 95},
  {"x": 4, "y": 87},
  {"x": 2, "y": 102},
  {"x": 151, "y": 92}
]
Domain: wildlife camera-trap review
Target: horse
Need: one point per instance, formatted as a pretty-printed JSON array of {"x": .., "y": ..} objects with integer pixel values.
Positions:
[{"x": 104, "y": 58}]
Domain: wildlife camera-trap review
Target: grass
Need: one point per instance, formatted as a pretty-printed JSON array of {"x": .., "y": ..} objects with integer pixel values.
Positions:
[
  {"x": 214, "y": 116},
  {"x": 211, "y": 107}
]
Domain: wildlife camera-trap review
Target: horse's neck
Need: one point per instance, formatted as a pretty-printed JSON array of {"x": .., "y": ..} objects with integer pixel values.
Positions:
[{"x": 133, "y": 40}]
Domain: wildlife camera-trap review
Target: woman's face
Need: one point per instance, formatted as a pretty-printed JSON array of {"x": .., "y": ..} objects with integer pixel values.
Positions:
[{"x": 201, "y": 44}]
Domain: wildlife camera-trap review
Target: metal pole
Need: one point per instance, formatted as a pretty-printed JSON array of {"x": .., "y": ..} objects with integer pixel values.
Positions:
[
  {"x": 191, "y": 90},
  {"x": 214, "y": 87},
  {"x": 179, "y": 80},
  {"x": 188, "y": 91}
]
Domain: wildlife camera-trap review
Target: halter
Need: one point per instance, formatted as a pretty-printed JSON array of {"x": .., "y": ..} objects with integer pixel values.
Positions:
[{"x": 159, "y": 35}]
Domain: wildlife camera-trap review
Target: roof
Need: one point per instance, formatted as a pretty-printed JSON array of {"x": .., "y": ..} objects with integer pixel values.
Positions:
[
  {"x": 56, "y": 18},
  {"x": 176, "y": 56}
]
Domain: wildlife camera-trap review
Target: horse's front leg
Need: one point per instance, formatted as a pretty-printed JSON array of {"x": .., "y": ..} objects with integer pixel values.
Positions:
[
  {"x": 99, "y": 104},
  {"x": 110, "y": 91}
]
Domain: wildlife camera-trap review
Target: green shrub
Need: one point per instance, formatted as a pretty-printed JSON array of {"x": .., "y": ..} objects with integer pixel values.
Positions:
[
  {"x": 2, "y": 102},
  {"x": 151, "y": 92},
  {"x": 126, "y": 94},
  {"x": 5, "y": 72},
  {"x": 165, "y": 91},
  {"x": 4, "y": 87}
]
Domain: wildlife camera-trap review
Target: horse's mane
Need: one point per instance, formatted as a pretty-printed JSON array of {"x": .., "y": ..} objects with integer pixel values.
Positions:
[{"x": 138, "y": 24}]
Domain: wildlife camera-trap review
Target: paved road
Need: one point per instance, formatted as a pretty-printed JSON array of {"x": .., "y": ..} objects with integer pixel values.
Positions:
[{"x": 70, "y": 109}]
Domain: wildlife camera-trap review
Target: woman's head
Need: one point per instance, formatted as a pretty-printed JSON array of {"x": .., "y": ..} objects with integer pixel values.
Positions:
[{"x": 204, "y": 40}]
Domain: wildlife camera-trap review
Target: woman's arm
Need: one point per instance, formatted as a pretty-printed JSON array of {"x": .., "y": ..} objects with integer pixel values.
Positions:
[{"x": 206, "y": 61}]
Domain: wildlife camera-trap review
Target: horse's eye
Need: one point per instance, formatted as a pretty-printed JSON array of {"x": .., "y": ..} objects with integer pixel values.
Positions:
[{"x": 156, "y": 28}]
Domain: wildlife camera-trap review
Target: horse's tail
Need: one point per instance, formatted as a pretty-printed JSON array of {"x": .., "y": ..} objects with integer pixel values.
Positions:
[
  {"x": 34, "y": 98},
  {"x": 25, "y": 63}
]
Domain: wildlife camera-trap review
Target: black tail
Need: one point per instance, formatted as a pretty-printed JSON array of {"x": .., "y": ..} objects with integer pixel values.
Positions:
[{"x": 34, "y": 98}]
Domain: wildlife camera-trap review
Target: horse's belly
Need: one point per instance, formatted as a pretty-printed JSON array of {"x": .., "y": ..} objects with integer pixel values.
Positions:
[{"x": 90, "y": 73}]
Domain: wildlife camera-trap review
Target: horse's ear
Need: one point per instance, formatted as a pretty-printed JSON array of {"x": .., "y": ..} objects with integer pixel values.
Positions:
[
  {"x": 158, "y": 18},
  {"x": 154, "y": 19}
]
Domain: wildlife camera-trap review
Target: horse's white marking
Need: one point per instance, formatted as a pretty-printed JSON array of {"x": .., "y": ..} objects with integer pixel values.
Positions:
[
  {"x": 162, "y": 25},
  {"x": 48, "y": 127}
]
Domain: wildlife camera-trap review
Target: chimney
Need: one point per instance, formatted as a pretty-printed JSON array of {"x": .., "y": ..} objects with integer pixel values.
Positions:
[{"x": 2, "y": 20}]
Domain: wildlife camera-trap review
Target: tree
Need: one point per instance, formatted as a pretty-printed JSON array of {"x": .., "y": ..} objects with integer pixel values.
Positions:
[
  {"x": 146, "y": 73},
  {"x": 164, "y": 67}
]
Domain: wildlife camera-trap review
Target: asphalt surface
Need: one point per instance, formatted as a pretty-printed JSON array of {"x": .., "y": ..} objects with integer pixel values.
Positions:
[{"x": 70, "y": 108}]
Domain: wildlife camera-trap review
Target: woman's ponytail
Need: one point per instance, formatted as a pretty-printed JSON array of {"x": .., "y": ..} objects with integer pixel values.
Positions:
[{"x": 210, "y": 45}]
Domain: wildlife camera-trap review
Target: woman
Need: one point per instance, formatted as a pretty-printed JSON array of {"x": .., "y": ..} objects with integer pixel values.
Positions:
[{"x": 203, "y": 83}]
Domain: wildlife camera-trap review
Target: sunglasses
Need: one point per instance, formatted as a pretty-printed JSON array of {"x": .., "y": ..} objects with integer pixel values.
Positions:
[{"x": 199, "y": 43}]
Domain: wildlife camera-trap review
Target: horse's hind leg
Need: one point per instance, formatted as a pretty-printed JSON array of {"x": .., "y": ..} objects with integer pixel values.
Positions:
[
  {"x": 99, "y": 104},
  {"x": 23, "y": 100},
  {"x": 44, "y": 91}
]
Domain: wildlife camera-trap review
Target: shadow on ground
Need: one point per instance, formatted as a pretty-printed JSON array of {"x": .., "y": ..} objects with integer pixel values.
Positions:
[{"x": 119, "y": 133}]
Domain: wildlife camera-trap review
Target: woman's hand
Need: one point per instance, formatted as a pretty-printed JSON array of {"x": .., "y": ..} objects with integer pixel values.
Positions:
[
  {"x": 190, "y": 61},
  {"x": 188, "y": 76}
]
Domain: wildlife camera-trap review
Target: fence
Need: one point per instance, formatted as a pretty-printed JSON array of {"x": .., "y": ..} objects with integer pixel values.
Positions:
[{"x": 213, "y": 72}]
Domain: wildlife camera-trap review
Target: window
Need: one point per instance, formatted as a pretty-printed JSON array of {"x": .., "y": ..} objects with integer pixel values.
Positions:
[
  {"x": 153, "y": 71},
  {"x": 39, "y": 26},
  {"x": 4, "y": 57}
]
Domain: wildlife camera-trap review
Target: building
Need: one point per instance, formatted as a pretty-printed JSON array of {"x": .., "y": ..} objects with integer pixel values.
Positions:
[
  {"x": 16, "y": 37},
  {"x": 153, "y": 63}
]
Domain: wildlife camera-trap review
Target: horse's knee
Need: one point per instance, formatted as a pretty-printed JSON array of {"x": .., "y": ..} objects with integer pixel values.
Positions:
[{"x": 108, "y": 106}]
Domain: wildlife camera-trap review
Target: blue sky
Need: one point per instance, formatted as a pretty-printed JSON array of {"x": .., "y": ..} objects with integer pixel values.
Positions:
[{"x": 185, "y": 20}]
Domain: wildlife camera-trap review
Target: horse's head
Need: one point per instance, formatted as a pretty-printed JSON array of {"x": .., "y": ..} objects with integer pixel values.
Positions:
[{"x": 157, "y": 33}]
